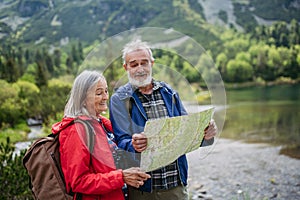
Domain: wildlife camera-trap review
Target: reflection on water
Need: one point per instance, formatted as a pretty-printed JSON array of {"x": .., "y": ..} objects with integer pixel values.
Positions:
[
  {"x": 264, "y": 114},
  {"x": 264, "y": 94},
  {"x": 262, "y": 121}
]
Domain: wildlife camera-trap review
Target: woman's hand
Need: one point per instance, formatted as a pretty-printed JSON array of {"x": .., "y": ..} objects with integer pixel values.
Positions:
[{"x": 135, "y": 177}]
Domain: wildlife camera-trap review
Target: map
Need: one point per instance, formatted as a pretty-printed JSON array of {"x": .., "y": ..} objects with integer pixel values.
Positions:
[{"x": 169, "y": 138}]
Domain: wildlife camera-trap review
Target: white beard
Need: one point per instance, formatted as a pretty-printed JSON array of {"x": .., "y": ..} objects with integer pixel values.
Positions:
[{"x": 140, "y": 83}]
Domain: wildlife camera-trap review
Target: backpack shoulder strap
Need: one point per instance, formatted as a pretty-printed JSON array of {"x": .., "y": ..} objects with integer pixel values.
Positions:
[{"x": 89, "y": 131}]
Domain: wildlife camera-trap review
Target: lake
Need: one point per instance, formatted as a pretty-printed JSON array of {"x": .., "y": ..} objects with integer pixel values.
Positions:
[{"x": 265, "y": 114}]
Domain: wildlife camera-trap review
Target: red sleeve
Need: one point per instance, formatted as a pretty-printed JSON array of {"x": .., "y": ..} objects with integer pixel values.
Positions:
[{"x": 75, "y": 161}]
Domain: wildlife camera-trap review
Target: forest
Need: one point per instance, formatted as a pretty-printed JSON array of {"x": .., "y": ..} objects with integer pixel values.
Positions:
[{"x": 36, "y": 82}]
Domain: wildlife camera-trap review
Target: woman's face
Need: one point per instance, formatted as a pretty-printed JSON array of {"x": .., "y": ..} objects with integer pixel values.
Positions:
[{"x": 97, "y": 97}]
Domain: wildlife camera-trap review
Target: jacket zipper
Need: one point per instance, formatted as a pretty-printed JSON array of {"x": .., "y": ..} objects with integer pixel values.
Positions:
[{"x": 56, "y": 164}]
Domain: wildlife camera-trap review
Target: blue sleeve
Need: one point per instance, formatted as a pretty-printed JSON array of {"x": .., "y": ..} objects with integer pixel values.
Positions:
[
  {"x": 121, "y": 123},
  {"x": 180, "y": 106}
]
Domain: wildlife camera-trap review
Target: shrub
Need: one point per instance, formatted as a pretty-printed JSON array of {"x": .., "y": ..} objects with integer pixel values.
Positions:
[{"x": 13, "y": 176}]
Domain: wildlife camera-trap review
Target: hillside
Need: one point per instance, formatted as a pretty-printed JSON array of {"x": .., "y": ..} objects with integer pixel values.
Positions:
[
  {"x": 59, "y": 22},
  {"x": 246, "y": 14}
]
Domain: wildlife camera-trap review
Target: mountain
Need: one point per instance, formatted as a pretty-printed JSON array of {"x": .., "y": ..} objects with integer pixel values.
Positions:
[
  {"x": 59, "y": 22},
  {"x": 245, "y": 14}
]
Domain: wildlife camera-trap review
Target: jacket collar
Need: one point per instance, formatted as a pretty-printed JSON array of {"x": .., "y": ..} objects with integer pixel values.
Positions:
[
  {"x": 125, "y": 91},
  {"x": 65, "y": 122}
]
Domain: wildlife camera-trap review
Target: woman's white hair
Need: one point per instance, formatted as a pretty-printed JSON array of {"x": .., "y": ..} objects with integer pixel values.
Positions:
[
  {"x": 85, "y": 81},
  {"x": 134, "y": 46}
]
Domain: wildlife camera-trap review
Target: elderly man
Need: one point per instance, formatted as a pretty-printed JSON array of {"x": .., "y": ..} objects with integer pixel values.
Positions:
[{"x": 142, "y": 99}]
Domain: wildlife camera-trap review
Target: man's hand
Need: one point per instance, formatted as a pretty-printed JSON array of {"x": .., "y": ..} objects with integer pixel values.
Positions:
[
  {"x": 211, "y": 130},
  {"x": 139, "y": 142}
]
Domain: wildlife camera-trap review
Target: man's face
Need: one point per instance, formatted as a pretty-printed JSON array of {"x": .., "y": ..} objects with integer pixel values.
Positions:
[{"x": 139, "y": 68}]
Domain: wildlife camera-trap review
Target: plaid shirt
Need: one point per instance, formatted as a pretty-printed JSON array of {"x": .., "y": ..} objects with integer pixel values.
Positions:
[{"x": 166, "y": 177}]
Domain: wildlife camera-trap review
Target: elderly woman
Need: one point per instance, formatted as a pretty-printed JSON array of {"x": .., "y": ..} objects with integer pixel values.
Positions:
[{"x": 88, "y": 164}]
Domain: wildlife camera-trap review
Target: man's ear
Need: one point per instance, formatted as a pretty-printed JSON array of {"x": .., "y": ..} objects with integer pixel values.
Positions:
[
  {"x": 152, "y": 63},
  {"x": 125, "y": 66}
]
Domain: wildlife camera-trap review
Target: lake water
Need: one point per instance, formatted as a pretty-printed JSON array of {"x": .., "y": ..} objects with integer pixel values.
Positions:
[{"x": 264, "y": 114}]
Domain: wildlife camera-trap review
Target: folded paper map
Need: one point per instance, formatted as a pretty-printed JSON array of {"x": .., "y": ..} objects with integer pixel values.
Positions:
[{"x": 169, "y": 138}]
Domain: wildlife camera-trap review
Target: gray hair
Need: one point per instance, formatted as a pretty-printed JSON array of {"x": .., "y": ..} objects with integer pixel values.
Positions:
[
  {"x": 134, "y": 46},
  {"x": 85, "y": 81}
]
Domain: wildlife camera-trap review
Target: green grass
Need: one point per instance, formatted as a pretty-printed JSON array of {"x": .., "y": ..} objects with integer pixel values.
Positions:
[
  {"x": 14, "y": 135},
  {"x": 19, "y": 133}
]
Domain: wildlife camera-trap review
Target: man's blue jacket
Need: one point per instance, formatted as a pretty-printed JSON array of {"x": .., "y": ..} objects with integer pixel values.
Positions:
[{"x": 128, "y": 116}]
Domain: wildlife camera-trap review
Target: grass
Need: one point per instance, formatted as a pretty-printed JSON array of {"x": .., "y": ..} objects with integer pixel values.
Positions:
[
  {"x": 14, "y": 135},
  {"x": 19, "y": 133}
]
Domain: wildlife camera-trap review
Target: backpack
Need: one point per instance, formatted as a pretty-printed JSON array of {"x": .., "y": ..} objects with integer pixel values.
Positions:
[{"x": 42, "y": 162}]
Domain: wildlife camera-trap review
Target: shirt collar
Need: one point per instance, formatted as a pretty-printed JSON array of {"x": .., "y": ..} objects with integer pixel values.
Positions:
[{"x": 156, "y": 85}]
